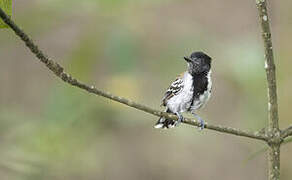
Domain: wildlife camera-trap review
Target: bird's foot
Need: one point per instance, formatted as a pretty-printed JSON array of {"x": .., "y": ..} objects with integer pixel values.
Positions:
[
  {"x": 180, "y": 119},
  {"x": 202, "y": 124},
  {"x": 200, "y": 120}
]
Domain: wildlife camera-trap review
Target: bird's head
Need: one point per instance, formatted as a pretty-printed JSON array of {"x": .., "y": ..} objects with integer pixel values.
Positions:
[{"x": 198, "y": 63}]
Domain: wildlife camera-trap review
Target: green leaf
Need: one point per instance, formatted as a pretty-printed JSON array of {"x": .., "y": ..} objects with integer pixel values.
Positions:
[{"x": 6, "y": 6}]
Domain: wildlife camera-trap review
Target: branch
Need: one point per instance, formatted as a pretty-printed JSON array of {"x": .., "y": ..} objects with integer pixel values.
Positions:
[
  {"x": 59, "y": 71},
  {"x": 274, "y": 135},
  {"x": 286, "y": 132},
  {"x": 269, "y": 65}
]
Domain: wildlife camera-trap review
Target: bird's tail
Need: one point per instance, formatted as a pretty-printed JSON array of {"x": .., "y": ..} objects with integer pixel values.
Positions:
[{"x": 164, "y": 123}]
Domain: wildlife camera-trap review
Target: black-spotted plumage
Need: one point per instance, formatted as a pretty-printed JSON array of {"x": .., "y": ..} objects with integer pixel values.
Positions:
[
  {"x": 190, "y": 91},
  {"x": 173, "y": 89}
]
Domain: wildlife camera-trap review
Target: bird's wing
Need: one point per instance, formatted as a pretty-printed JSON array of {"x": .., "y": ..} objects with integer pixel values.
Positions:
[{"x": 175, "y": 87}]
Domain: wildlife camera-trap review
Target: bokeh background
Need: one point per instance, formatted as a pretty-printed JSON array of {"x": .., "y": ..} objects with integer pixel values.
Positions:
[{"x": 134, "y": 48}]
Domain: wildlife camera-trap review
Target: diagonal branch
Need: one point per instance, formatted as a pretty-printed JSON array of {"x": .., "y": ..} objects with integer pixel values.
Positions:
[
  {"x": 59, "y": 71},
  {"x": 286, "y": 132}
]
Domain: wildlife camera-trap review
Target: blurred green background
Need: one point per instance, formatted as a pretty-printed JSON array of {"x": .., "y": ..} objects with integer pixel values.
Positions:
[{"x": 134, "y": 48}]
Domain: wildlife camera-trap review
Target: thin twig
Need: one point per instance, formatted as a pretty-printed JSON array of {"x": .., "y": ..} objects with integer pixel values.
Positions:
[
  {"x": 59, "y": 71},
  {"x": 286, "y": 132},
  {"x": 275, "y": 139}
]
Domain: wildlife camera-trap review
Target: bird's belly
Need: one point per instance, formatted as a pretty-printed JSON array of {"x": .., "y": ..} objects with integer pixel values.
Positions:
[
  {"x": 201, "y": 100},
  {"x": 181, "y": 102}
]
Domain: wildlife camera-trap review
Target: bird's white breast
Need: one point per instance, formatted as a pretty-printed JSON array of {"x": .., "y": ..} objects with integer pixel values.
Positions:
[{"x": 182, "y": 101}]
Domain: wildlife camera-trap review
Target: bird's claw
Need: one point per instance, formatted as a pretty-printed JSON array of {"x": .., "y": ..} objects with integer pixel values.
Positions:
[
  {"x": 201, "y": 124},
  {"x": 180, "y": 119},
  {"x": 200, "y": 120}
]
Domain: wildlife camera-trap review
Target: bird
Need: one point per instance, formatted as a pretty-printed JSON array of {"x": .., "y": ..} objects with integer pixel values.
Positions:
[{"x": 189, "y": 92}]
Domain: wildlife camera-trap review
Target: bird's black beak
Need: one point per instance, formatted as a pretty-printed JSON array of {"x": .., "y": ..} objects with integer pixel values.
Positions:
[{"x": 187, "y": 59}]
